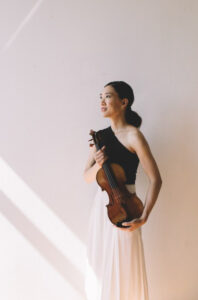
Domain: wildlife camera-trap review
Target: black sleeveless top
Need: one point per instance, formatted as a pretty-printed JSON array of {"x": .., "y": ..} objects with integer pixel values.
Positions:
[{"x": 118, "y": 153}]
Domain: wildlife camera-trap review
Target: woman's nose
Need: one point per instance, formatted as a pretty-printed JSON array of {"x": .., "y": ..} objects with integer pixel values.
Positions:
[{"x": 102, "y": 101}]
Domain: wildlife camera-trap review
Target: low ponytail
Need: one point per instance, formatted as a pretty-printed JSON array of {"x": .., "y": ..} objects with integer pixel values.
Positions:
[{"x": 132, "y": 117}]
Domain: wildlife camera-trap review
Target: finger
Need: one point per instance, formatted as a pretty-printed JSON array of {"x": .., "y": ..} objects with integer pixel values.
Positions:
[
  {"x": 100, "y": 152},
  {"x": 100, "y": 156},
  {"x": 135, "y": 220},
  {"x": 126, "y": 223},
  {"x": 101, "y": 149}
]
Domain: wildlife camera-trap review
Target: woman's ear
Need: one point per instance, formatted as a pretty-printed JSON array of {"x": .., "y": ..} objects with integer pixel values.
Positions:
[{"x": 125, "y": 102}]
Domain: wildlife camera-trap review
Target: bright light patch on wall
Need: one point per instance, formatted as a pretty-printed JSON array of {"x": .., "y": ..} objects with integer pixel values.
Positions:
[
  {"x": 41, "y": 216},
  {"x": 18, "y": 279}
]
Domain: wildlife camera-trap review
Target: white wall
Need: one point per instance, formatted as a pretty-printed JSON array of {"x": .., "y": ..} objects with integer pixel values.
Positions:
[{"x": 56, "y": 56}]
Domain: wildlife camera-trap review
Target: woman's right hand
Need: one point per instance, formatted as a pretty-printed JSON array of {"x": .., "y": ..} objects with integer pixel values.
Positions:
[{"x": 100, "y": 156}]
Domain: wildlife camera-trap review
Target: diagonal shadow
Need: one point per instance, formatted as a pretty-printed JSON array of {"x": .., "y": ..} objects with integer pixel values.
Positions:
[
  {"x": 44, "y": 219},
  {"x": 59, "y": 262},
  {"x": 21, "y": 25}
]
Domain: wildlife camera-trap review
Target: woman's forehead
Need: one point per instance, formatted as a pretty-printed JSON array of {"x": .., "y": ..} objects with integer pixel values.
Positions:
[{"x": 108, "y": 90}]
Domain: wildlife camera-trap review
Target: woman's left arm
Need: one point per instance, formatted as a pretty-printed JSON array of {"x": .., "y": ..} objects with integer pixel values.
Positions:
[{"x": 139, "y": 143}]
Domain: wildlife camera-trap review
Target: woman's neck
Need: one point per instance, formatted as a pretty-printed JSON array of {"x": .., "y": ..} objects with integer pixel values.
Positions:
[{"x": 118, "y": 125}]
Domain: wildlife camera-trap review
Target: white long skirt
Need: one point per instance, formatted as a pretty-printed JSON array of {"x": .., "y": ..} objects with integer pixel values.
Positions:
[{"x": 115, "y": 263}]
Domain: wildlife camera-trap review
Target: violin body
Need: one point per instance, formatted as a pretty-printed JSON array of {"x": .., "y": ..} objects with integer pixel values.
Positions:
[{"x": 123, "y": 205}]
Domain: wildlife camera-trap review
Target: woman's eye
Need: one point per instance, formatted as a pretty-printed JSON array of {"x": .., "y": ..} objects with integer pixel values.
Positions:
[{"x": 108, "y": 96}]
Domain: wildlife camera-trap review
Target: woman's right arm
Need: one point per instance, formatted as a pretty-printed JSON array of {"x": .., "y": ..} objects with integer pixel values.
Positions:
[{"x": 94, "y": 163}]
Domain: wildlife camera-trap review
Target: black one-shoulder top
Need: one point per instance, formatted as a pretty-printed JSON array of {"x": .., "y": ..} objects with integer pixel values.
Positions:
[{"x": 118, "y": 153}]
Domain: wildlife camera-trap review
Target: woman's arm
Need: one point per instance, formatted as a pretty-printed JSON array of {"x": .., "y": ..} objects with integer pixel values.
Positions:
[
  {"x": 139, "y": 143},
  {"x": 151, "y": 169},
  {"x": 94, "y": 163}
]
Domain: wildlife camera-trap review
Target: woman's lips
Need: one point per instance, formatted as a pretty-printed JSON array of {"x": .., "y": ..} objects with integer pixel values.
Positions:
[{"x": 103, "y": 108}]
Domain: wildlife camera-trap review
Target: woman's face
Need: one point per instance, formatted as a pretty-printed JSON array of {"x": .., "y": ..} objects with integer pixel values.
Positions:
[{"x": 110, "y": 103}]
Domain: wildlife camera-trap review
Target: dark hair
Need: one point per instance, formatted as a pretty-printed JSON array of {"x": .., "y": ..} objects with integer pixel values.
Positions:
[{"x": 124, "y": 90}]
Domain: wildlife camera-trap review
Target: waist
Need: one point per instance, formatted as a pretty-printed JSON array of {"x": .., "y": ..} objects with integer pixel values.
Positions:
[{"x": 131, "y": 187}]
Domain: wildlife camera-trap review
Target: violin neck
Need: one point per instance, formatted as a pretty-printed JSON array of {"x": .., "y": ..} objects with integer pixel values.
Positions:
[{"x": 109, "y": 174}]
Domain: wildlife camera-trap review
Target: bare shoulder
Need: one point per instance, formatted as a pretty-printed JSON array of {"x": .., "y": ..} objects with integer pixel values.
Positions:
[
  {"x": 137, "y": 138},
  {"x": 145, "y": 155}
]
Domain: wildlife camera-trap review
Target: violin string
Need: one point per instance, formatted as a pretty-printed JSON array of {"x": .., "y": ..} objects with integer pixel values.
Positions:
[
  {"x": 114, "y": 189},
  {"x": 111, "y": 180},
  {"x": 109, "y": 176}
]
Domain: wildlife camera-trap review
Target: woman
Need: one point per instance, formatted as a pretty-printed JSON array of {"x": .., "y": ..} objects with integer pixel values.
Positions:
[{"x": 115, "y": 267}]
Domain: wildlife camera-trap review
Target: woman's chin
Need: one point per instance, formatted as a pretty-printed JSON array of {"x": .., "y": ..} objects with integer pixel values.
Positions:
[{"x": 104, "y": 114}]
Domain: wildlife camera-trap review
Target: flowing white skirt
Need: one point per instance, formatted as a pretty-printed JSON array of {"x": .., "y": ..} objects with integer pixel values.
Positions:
[{"x": 115, "y": 263}]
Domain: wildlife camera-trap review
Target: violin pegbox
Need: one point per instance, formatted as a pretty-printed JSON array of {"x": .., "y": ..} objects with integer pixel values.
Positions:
[
  {"x": 96, "y": 137},
  {"x": 92, "y": 133}
]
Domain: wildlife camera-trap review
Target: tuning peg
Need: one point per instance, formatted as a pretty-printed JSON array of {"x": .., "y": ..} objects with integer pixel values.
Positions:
[{"x": 91, "y": 132}]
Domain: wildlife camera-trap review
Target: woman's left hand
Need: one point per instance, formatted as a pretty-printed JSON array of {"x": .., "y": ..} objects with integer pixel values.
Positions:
[{"x": 134, "y": 224}]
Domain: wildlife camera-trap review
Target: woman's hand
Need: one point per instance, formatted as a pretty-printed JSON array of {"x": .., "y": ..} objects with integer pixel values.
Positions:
[
  {"x": 100, "y": 156},
  {"x": 134, "y": 224}
]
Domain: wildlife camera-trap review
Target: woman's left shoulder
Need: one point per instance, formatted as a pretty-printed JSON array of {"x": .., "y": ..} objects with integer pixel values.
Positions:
[
  {"x": 134, "y": 131},
  {"x": 136, "y": 134}
]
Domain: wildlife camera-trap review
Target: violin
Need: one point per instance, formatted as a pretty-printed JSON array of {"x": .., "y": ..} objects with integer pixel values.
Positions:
[{"x": 123, "y": 205}]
